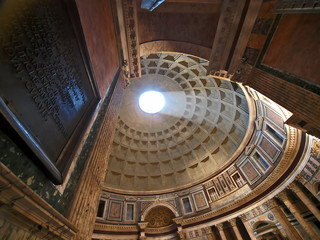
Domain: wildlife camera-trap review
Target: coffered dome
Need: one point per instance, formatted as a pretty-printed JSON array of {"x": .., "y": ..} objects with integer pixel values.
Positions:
[{"x": 198, "y": 131}]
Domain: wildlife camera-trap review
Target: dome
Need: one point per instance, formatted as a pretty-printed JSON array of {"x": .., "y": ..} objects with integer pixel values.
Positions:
[{"x": 197, "y": 133}]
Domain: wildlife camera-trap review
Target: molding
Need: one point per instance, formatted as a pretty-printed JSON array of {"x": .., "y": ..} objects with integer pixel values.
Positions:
[
  {"x": 116, "y": 228},
  {"x": 165, "y": 229},
  {"x": 20, "y": 198},
  {"x": 142, "y": 225},
  {"x": 176, "y": 47},
  {"x": 299, "y": 6}
]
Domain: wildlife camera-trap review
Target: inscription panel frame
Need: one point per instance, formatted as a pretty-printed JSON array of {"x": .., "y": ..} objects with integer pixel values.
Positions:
[{"x": 81, "y": 87}]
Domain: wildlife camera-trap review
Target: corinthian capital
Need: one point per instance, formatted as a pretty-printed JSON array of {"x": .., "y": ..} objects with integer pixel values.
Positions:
[
  {"x": 283, "y": 196},
  {"x": 233, "y": 222},
  {"x": 271, "y": 203},
  {"x": 220, "y": 226},
  {"x": 294, "y": 187},
  {"x": 208, "y": 230},
  {"x": 243, "y": 217}
]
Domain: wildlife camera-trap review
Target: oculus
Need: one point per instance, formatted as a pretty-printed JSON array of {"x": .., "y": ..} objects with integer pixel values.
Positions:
[{"x": 151, "y": 101}]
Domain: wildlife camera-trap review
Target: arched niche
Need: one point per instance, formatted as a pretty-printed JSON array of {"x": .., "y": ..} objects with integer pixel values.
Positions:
[
  {"x": 266, "y": 230},
  {"x": 159, "y": 216}
]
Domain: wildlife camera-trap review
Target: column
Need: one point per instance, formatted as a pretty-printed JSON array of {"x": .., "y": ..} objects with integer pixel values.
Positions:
[
  {"x": 221, "y": 232},
  {"x": 180, "y": 233},
  {"x": 233, "y": 223},
  {"x": 283, "y": 220},
  {"x": 209, "y": 233},
  {"x": 178, "y": 222},
  {"x": 294, "y": 210},
  {"x": 277, "y": 233},
  {"x": 142, "y": 226},
  {"x": 305, "y": 199},
  {"x": 247, "y": 226}
]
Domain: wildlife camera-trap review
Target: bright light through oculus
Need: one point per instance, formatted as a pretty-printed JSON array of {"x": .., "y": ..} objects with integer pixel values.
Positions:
[{"x": 151, "y": 101}]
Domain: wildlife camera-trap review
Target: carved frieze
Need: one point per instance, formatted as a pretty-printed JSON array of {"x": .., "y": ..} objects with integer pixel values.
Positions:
[
  {"x": 298, "y": 6},
  {"x": 128, "y": 25}
]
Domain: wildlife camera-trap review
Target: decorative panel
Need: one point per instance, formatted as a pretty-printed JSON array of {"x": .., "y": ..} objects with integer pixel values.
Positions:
[
  {"x": 250, "y": 172},
  {"x": 212, "y": 192},
  {"x": 230, "y": 183},
  {"x": 274, "y": 117},
  {"x": 144, "y": 206},
  {"x": 223, "y": 184},
  {"x": 159, "y": 217},
  {"x": 238, "y": 179},
  {"x": 200, "y": 200},
  {"x": 269, "y": 148},
  {"x": 172, "y": 203},
  {"x": 115, "y": 210}
]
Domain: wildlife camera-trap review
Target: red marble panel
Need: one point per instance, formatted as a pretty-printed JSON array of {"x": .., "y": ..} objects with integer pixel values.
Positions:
[
  {"x": 101, "y": 39},
  {"x": 295, "y": 46}
]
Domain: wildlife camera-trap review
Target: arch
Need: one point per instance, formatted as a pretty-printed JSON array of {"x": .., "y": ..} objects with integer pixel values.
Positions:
[
  {"x": 159, "y": 217},
  {"x": 157, "y": 204},
  {"x": 263, "y": 223},
  {"x": 176, "y": 47},
  {"x": 266, "y": 230}
]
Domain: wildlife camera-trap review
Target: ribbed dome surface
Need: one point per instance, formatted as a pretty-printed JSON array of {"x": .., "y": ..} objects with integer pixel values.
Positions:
[{"x": 201, "y": 126}]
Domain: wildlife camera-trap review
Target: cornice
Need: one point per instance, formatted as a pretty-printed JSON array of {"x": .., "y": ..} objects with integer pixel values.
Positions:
[
  {"x": 116, "y": 228},
  {"x": 259, "y": 193},
  {"x": 23, "y": 200}
]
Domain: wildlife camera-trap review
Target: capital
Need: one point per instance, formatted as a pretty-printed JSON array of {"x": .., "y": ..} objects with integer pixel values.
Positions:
[
  {"x": 178, "y": 220},
  {"x": 142, "y": 225},
  {"x": 220, "y": 226},
  {"x": 283, "y": 196},
  {"x": 294, "y": 187},
  {"x": 233, "y": 222},
  {"x": 243, "y": 217},
  {"x": 271, "y": 203},
  {"x": 208, "y": 230},
  {"x": 299, "y": 178},
  {"x": 315, "y": 149}
]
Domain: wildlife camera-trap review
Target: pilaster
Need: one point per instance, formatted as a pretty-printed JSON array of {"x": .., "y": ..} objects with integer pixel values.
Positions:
[
  {"x": 221, "y": 231},
  {"x": 247, "y": 226},
  {"x": 233, "y": 223}
]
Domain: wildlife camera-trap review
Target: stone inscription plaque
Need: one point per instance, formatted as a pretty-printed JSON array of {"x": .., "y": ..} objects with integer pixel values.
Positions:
[{"x": 48, "y": 93}]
